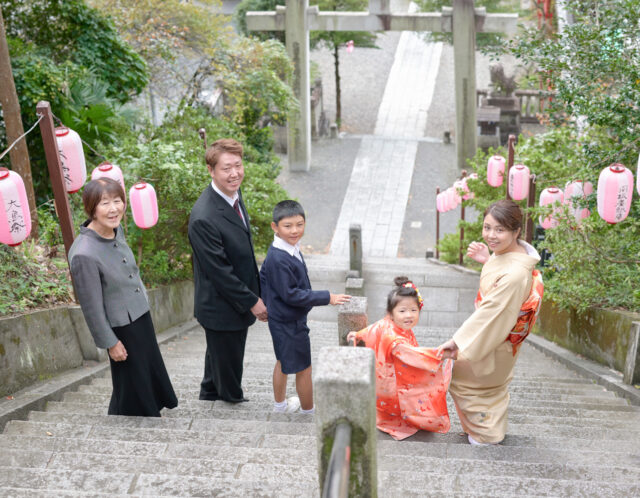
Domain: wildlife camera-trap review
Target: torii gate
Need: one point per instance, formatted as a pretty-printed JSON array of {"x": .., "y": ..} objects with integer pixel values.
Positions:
[{"x": 463, "y": 19}]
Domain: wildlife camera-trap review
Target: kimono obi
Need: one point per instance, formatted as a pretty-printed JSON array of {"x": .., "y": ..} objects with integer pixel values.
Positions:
[{"x": 528, "y": 312}]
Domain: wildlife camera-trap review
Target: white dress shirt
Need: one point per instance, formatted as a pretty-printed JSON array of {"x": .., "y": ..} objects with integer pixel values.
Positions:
[
  {"x": 294, "y": 251},
  {"x": 230, "y": 200}
]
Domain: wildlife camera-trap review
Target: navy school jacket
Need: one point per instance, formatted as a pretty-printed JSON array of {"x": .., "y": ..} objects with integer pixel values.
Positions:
[{"x": 286, "y": 289}]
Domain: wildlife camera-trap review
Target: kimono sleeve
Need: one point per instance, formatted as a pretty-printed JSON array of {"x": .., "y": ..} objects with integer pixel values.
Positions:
[{"x": 491, "y": 322}]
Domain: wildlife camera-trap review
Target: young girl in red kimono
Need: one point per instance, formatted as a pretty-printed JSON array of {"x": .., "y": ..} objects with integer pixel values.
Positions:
[{"x": 411, "y": 382}]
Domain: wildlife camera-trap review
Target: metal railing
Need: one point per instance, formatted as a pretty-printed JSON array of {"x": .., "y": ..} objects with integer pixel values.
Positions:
[{"x": 336, "y": 482}]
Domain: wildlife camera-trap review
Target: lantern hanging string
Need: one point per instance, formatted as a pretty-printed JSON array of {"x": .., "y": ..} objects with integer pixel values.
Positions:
[
  {"x": 21, "y": 137},
  {"x": 92, "y": 149}
]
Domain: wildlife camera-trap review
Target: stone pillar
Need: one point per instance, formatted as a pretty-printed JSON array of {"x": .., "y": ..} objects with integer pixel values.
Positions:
[
  {"x": 351, "y": 316},
  {"x": 464, "y": 49},
  {"x": 354, "y": 286},
  {"x": 632, "y": 364},
  {"x": 299, "y": 124},
  {"x": 344, "y": 389},
  {"x": 355, "y": 248}
]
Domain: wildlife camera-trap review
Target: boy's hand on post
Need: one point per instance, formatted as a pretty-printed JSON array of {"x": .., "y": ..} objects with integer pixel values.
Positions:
[
  {"x": 260, "y": 310},
  {"x": 478, "y": 251},
  {"x": 338, "y": 298}
]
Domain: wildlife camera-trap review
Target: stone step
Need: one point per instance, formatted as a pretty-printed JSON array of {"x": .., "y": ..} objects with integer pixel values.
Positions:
[
  {"x": 303, "y": 470},
  {"x": 413, "y": 484},
  {"x": 558, "y": 454},
  {"x": 560, "y": 471},
  {"x": 252, "y": 480},
  {"x": 266, "y": 395},
  {"x": 235, "y": 453}
]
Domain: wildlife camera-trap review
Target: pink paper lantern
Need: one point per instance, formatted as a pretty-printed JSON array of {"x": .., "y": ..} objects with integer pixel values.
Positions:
[
  {"x": 350, "y": 46},
  {"x": 519, "y": 182},
  {"x": 144, "y": 204},
  {"x": 469, "y": 194},
  {"x": 108, "y": 170},
  {"x": 551, "y": 195},
  {"x": 458, "y": 186},
  {"x": 574, "y": 192},
  {"x": 638, "y": 176},
  {"x": 495, "y": 170},
  {"x": 452, "y": 198},
  {"x": 15, "y": 218},
  {"x": 74, "y": 169},
  {"x": 441, "y": 202},
  {"x": 615, "y": 189}
]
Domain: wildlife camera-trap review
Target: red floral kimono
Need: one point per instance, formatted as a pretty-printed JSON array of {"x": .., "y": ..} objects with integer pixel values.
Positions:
[{"x": 411, "y": 382}]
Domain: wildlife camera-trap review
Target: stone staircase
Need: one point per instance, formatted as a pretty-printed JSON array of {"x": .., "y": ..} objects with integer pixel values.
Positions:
[{"x": 567, "y": 436}]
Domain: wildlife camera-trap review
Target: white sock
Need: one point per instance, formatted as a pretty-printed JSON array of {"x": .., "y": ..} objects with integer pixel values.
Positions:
[
  {"x": 280, "y": 406},
  {"x": 310, "y": 410}
]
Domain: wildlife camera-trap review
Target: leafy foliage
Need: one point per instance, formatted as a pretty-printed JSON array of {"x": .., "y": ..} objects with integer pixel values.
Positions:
[{"x": 31, "y": 279}]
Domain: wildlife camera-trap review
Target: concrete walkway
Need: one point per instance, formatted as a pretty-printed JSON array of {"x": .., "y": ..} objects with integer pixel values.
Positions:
[{"x": 380, "y": 182}]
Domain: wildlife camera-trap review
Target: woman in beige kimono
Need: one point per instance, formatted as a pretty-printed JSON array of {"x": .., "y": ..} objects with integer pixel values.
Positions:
[{"x": 486, "y": 345}]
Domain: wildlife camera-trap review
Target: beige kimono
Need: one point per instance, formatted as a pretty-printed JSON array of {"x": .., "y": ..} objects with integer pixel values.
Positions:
[{"x": 484, "y": 368}]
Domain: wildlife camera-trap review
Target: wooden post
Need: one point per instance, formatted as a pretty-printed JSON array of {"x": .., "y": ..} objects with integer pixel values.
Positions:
[
  {"x": 203, "y": 135},
  {"x": 19, "y": 155},
  {"x": 437, "y": 225},
  {"x": 464, "y": 68},
  {"x": 510, "y": 159},
  {"x": 531, "y": 200},
  {"x": 52, "y": 155}
]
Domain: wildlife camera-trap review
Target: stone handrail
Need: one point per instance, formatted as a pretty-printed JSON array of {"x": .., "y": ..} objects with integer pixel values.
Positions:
[
  {"x": 532, "y": 102},
  {"x": 344, "y": 392}
]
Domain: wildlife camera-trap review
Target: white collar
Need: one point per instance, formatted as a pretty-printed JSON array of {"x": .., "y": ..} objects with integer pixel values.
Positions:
[
  {"x": 294, "y": 251},
  {"x": 230, "y": 200}
]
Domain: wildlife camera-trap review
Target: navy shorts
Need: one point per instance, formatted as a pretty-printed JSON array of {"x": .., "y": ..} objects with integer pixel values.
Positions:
[{"x": 291, "y": 344}]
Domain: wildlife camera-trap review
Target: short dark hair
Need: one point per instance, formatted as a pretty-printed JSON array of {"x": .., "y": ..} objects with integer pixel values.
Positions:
[
  {"x": 95, "y": 189},
  {"x": 507, "y": 213},
  {"x": 286, "y": 209},
  {"x": 399, "y": 292},
  {"x": 219, "y": 147}
]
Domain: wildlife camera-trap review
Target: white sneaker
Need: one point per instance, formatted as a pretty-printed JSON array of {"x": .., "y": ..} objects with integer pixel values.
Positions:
[
  {"x": 473, "y": 442},
  {"x": 293, "y": 404}
]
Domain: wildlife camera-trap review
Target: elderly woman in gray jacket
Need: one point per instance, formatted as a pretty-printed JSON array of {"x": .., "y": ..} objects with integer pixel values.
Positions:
[{"x": 115, "y": 306}]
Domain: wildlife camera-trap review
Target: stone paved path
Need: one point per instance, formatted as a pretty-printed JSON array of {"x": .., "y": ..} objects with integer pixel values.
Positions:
[{"x": 378, "y": 189}]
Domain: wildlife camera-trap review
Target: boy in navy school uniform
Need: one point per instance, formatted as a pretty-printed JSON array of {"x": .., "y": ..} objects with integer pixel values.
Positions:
[{"x": 287, "y": 293}]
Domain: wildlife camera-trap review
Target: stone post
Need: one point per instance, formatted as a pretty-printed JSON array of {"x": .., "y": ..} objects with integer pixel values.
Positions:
[
  {"x": 355, "y": 248},
  {"x": 354, "y": 286},
  {"x": 464, "y": 50},
  {"x": 299, "y": 124},
  {"x": 632, "y": 364},
  {"x": 344, "y": 389},
  {"x": 351, "y": 316}
]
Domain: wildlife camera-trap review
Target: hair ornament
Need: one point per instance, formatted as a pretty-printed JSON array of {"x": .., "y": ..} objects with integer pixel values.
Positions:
[{"x": 411, "y": 285}]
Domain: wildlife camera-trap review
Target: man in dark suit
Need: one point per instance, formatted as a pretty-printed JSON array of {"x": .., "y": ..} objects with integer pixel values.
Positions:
[{"x": 227, "y": 284}]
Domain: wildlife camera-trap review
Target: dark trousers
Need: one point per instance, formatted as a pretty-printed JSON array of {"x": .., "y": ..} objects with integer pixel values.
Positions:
[{"x": 223, "y": 365}]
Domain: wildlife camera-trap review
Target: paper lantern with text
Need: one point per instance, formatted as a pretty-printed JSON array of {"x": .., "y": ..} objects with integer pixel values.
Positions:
[
  {"x": 495, "y": 170},
  {"x": 574, "y": 192},
  {"x": 519, "y": 182},
  {"x": 74, "y": 169},
  {"x": 144, "y": 204},
  {"x": 15, "y": 218},
  {"x": 108, "y": 170},
  {"x": 615, "y": 189},
  {"x": 551, "y": 195}
]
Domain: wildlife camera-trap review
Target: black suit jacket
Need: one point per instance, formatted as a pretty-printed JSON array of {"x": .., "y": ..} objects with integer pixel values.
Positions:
[{"x": 227, "y": 283}]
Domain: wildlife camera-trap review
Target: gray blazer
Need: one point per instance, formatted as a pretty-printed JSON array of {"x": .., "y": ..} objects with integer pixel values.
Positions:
[{"x": 107, "y": 283}]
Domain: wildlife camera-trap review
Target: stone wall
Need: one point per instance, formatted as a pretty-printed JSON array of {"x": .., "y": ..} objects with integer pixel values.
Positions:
[
  {"x": 38, "y": 345},
  {"x": 600, "y": 335}
]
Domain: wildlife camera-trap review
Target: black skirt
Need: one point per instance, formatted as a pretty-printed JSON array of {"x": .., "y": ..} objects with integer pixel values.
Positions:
[{"x": 141, "y": 385}]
